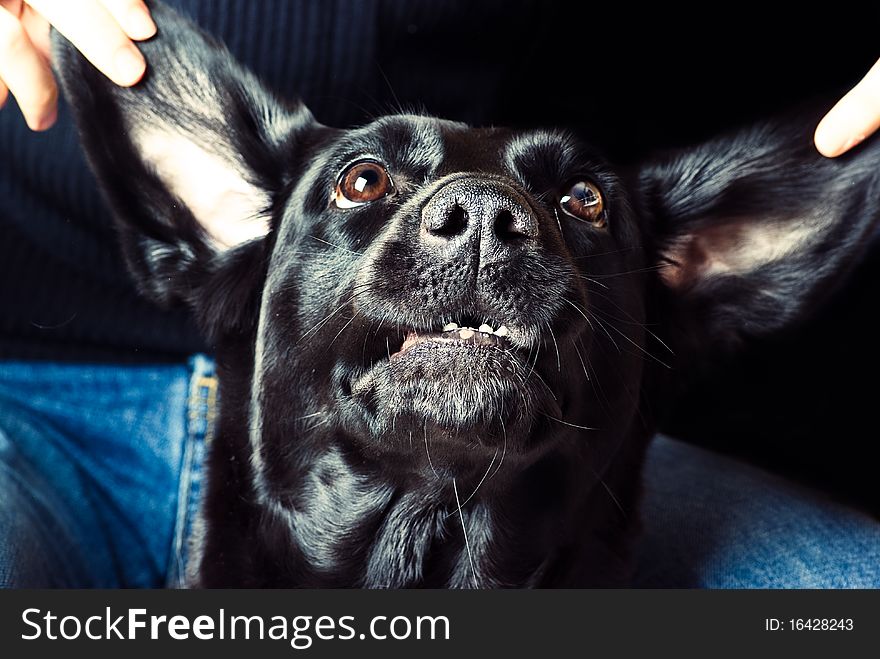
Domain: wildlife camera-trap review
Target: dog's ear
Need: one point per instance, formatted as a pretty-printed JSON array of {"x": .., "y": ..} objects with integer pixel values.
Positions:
[
  {"x": 193, "y": 161},
  {"x": 752, "y": 231}
]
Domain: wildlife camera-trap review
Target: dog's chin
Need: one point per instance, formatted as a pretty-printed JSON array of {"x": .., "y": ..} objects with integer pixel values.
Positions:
[{"x": 464, "y": 389}]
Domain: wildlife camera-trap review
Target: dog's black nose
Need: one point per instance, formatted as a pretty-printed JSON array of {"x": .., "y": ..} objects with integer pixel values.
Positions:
[{"x": 471, "y": 209}]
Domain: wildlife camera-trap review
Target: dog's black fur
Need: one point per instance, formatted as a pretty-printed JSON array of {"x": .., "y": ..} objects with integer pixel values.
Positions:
[{"x": 341, "y": 459}]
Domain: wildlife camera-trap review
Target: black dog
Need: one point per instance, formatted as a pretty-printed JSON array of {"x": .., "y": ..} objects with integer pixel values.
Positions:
[{"x": 438, "y": 345}]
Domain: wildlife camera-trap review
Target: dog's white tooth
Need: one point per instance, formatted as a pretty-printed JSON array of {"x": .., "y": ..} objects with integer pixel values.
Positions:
[
  {"x": 485, "y": 329},
  {"x": 466, "y": 333},
  {"x": 450, "y": 326},
  {"x": 502, "y": 331}
]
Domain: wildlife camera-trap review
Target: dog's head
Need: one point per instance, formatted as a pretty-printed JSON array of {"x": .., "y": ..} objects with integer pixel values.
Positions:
[
  {"x": 438, "y": 288},
  {"x": 434, "y": 295}
]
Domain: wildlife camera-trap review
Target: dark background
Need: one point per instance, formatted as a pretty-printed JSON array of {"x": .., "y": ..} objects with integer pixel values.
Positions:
[{"x": 633, "y": 78}]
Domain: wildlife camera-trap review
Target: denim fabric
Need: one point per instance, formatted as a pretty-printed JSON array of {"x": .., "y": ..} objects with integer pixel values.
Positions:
[
  {"x": 100, "y": 471},
  {"x": 100, "y": 474},
  {"x": 714, "y": 522}
]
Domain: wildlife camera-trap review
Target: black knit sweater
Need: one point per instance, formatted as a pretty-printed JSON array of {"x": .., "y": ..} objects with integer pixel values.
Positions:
[{"x": 64, "y": 292}]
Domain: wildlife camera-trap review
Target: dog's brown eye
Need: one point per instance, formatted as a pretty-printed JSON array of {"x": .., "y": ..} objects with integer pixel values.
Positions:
[
  {"x": 362, "y": 183},
  {"x": 584, "y": 201}
]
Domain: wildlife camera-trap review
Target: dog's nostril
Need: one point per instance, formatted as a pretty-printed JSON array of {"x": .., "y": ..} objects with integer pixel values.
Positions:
[
  {"x": 453, "y": 224},
  {"x": 507, "y": 228}
]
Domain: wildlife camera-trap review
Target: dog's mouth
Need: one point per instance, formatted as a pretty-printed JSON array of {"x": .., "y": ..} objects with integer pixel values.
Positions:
[
  {"x": 463, "y": 373},
  {"x": 455, "y": 335}
]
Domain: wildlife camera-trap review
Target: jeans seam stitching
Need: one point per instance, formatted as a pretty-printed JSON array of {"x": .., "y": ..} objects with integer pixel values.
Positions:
[{"x": 200, "y": 413}]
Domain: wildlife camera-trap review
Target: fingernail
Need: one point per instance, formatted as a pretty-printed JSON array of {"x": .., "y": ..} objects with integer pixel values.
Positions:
[
  {"x": 130, "y": 65},
  {"x": 139, "y": 24}
]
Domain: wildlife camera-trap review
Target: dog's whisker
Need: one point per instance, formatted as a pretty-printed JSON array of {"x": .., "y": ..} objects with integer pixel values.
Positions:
[
  {"x": 524, "y": 379},
  {"x": 609, "y": 253},
  {"x": 428, "y": 452},
  {"x": 593, "y": 281},
  {"x": 595, "y": 381},
  {"x": 339, "y": 247},
  {"x": 636, "y": 323},
  {"x": 534, "y": 361},
  {"x": 602, "y": 482},
  {"x": 320, "y": 325},
  {"x": 325, "y": 320},
  {"x": 488, "y": 469},
  {"x": 344, "y": 327},
  {"x": 323, "y": 422},
  {"x": 650, "y": 268},
  {"x": 623, "y": 382},
  {"x": 581, "y": 359},
  {"x": 586, "y": 316},
  {"x": 603, "y": 399},
  {"x": 639, "y": 348},
  {"x": 315, "y": 253},
  {"x": 364, "y": 345},
  {"x": 398, "y": 107},
  {"x": 579, "y": 310},
  {"x": 368, "y": 113},
  {"x": 503, "y": 446},
  {"x": 555, "y": 345},
  {"x": 617, "y": 319},
  {"x": 558, "y": 223},
  {"x": 605, "y": 329},
  {"x": 467, "y": 543},
  {"x": 568, "y": 423},
  {"x": 525, "y": 404},
  {"x": 631, "y": 321}
]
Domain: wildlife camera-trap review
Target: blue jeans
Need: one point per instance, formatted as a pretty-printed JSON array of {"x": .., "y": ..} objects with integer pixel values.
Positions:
[
  {"x": 100, "y": 473},
  {"x": 100, "y": 470},
  {"x": 714, "y": 522}
]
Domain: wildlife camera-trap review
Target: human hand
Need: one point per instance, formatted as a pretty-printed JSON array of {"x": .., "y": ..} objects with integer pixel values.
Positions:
[
  {"x": 102, "y": 30},
  {"x": 855, "y": 117}
]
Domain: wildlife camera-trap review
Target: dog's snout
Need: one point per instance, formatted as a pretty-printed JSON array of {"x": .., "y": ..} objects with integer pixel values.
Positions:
[{"x": 490, "y": 211}]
